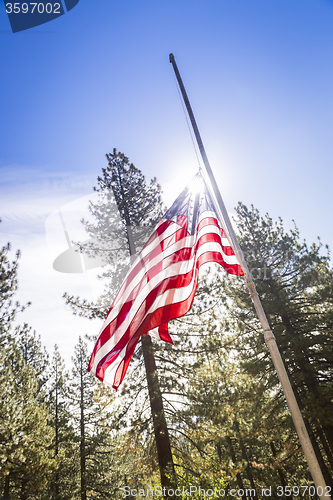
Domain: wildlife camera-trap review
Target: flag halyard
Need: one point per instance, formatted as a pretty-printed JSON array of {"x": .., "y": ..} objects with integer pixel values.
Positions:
[{"x": 161, "y": 283}]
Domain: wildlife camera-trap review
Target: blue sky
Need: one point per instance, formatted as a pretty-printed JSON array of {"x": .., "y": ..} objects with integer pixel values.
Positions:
[{"x": 259, "y": 76}]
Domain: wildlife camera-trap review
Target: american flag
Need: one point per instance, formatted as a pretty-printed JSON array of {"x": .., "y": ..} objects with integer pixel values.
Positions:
[{"x": 161, "y": 283}]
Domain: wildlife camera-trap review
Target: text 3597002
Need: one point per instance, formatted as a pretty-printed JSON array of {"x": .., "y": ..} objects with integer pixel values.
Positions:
[{"x": 33, "y": 7}]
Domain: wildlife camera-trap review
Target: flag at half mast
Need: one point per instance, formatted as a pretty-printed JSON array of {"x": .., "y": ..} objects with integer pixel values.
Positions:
[{"x": 162, "y": 281}]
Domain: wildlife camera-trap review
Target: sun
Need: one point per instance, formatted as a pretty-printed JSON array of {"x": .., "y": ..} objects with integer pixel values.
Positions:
[{"x": 196, "y": 185}]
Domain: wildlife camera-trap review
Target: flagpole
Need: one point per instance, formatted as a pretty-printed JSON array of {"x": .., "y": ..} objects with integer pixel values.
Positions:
[{"x": 270, "y": 340}]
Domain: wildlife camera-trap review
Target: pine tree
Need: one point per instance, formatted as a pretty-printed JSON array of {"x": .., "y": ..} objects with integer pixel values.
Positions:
[
  {"x": 25, "y": 436},
  {"x": 62, "y": 482},
  {"x": 232, "y": 424},
  {"x": 120, "y": 233},
  {"x": 123, "y": 218},
  {"x": 33, "y": 354},
  {"x": 8, "y": 287},
  {"x": 90, "y": 413},
  {"x": 295, "y": 285}
]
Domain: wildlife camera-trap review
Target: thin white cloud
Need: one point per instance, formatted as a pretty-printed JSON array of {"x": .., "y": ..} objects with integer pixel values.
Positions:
[{"x": 28, "y": 197}]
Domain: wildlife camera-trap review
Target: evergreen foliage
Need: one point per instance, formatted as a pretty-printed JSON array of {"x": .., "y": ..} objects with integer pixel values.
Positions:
[
  {"x": 123, "y": 218},
  {"x": 295, "y": 286},
  {"x": 62, "y": 482},
  {"x": 8, "y": 287},
  {"x": 89, "y": 410},
  {"x": 67, "y": 437},
  {"x": 25, "y": 435},
  {"x": 128, "y": 211}
]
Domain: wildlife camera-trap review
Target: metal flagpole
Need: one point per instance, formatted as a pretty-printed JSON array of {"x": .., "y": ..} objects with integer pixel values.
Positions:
[{"x": 317, "y": 476}]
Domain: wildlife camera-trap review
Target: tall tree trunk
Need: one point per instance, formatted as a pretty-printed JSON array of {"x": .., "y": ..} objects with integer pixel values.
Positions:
[
  {"x": 6, "y": 490},
  {"x": 245, "y": 457},
  {"x": 278, "y": 465},
  {"x": 328, "y": 431},
  {"x": 311, "y": 384},
  {"x": 322, "y": 465},
  {"x": 82, "y": 441},
  {"x": 162, "y": 439},
  {"x": 24, "y": 493},
  {"x": 325, "y": 445},
  {"x": 233, "y": 457},
  {"x": 323, "y": 429},
  {"x": 56, "y": 433}
]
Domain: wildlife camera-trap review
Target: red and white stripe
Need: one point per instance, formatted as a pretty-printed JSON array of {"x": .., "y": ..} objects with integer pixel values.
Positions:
[{"x": 159, "y": 287}]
